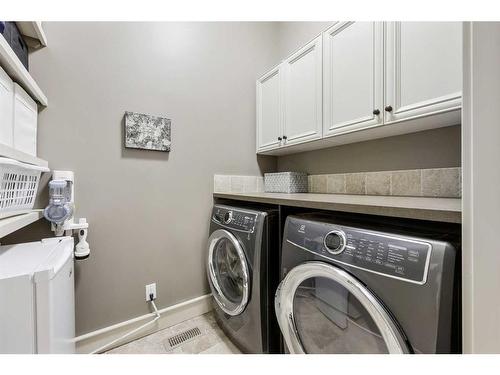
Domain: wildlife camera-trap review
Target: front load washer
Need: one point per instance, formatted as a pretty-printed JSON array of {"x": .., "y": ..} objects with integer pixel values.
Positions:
[
  {"x": 350, "y": 288},
  {"x": 242, "y": 248}
]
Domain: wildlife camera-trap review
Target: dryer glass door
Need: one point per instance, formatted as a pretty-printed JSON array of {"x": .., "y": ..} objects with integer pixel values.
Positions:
[
  {"x": 228, "y": 272},
  {"x": 323, "y": 309}
]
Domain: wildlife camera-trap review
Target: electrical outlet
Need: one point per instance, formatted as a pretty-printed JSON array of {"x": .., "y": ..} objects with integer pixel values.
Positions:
[{"x": 150, "y": 289}]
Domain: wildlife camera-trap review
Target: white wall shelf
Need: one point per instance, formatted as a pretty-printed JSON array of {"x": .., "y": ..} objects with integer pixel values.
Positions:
[
  {"x": 33, "y": 30},
  {"x": 16, "y": 70},
  {"x": 13, "y": 223},
  {"x": 12, "y": 153}
]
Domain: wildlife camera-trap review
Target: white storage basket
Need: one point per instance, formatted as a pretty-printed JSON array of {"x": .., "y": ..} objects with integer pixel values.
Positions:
[
  {"x": 18, "y": 185},
  {"x": 285, "y": 182}
]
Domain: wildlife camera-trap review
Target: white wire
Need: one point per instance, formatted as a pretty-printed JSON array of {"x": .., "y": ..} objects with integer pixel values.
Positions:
[
  {"x": 157, "y": 313},
  {"x": 157, "y": 316}
]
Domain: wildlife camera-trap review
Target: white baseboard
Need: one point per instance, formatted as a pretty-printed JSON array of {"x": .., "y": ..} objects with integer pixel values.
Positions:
[{"x": 169, "y": 316}]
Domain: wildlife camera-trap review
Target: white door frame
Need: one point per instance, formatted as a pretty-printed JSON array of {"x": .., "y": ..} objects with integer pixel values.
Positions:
[{"x": 481, "y": 187}]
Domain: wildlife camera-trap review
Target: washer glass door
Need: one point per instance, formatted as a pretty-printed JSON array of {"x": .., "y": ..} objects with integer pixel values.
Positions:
[
  {"x": 228, "y": 272},
  {"x": 323, "y": 309}
]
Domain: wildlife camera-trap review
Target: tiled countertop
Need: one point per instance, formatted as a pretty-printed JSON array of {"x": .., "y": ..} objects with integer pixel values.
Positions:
[{"x": 434, "y": 209}]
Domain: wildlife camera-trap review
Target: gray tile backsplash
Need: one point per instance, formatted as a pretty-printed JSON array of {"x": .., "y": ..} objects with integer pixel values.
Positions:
[
  {"x": 318, "y": 183},
  {"x": 355, "y": 183},
  {"x": 378, "y": 183},
  {"x": 222, "y": 183},
  {"x": 238, "y": 184},
  {"x": 444, "y": 182},
  {"x": 437, "y": 182},
  {"x": 406, "y": 183},
  {"x": 335, "y": 184}
]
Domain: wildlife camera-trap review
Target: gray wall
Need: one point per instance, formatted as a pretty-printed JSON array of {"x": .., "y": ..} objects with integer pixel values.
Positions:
[
  {"x": 148, "y": 211},
  {"x": 437, "y": 148},
  {"x": 428, "y": 149},
  {"x": 292, "y": 35}
]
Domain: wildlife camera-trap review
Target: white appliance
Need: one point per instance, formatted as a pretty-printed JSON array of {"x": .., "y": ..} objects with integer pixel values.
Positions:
[{"x": 37, "y": 303}]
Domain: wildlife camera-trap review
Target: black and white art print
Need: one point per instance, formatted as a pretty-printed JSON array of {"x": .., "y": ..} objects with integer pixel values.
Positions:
[{"x": 147, "y": 132}]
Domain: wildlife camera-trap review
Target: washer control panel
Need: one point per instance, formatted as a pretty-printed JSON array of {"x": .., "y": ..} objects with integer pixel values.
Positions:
[
  {"x": 234, "y": 219},
  {"x": 378, "y": 252}
]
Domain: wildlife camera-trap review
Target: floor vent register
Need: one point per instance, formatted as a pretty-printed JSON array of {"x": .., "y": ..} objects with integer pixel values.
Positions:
[{"x": 182, "y": 337}]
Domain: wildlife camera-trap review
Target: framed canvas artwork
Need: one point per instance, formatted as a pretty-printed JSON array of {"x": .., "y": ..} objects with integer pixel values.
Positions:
[{"x": 147, "y": 132}]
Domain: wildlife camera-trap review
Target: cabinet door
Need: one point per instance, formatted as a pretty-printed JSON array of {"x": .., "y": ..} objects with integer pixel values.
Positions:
[
  {"x": 269, "y": 110},
  {"x": 352, "y": 77},
  {"x": 423, "y": 69},
  {"x": 303, "y": 94}
]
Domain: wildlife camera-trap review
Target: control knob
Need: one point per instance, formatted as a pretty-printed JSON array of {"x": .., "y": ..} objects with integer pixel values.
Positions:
[
  {"x": 335, "y": 242},
  {"x": 227, "y": 217}
]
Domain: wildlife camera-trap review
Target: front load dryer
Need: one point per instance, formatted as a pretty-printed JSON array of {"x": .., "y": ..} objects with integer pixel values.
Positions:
[
  {"x": 352, "y": 287},
  {"x": 242, "y": 248}
]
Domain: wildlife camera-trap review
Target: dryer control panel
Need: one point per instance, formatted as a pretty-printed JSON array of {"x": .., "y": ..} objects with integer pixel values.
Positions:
[
  {"x": 234, "y": 219},
  {"x": 382, "y": 253}
]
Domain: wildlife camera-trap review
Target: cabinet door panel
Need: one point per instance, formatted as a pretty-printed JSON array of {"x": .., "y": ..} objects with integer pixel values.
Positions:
[
  {"x": 303, "y": 94},
  {"x": 269, "y": 110},
  {"x": 423, "y": 68},
  {"x": 353, "y": 72}
]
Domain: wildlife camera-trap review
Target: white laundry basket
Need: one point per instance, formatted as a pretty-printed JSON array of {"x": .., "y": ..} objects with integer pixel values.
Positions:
[{"x": 18, "y": 186}]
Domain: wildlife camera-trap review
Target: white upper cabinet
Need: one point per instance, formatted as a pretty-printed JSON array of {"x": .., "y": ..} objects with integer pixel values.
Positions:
[
  {"x": 423, "y": 69},
  {"x": 360, "y": 81},
  {"x": 352, "y": 76},
  {"x": 303, "y": 80},
  {"x": 269, "y": 110}
]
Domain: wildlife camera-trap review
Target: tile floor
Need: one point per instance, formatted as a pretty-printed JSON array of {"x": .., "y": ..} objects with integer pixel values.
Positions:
[{"x": 211, "y": 341}]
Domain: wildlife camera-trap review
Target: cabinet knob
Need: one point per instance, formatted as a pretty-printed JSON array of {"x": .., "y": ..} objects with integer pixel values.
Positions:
[
  {"x": 284, "y": 137},
  {"x": 388, "y": 108},
  {"x": 279, "y": 138},
  {"x": 376, "y": 112}
]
